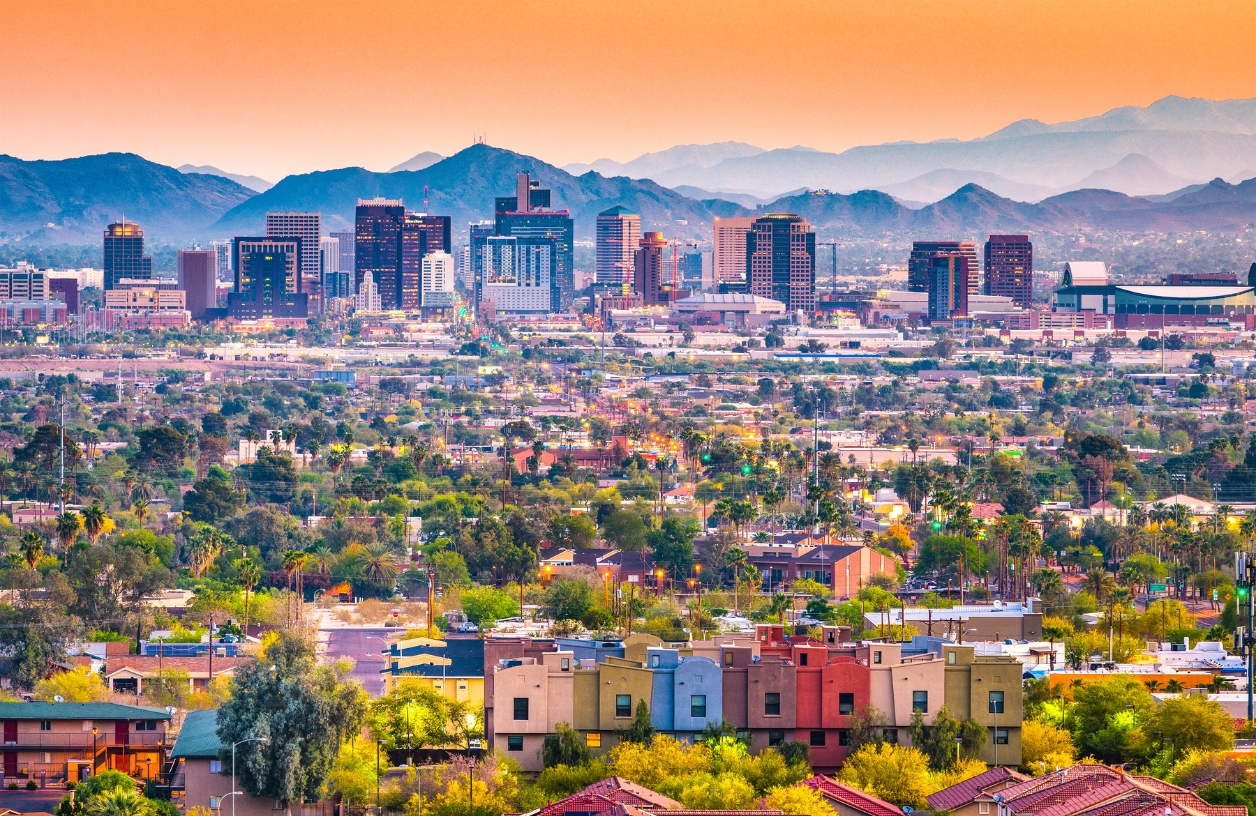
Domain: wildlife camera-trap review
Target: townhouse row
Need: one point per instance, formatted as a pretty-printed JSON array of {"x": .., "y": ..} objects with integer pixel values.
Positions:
[{"x": 771, "y": 688}]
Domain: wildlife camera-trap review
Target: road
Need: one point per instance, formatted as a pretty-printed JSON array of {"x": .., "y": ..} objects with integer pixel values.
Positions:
[
  {"x": 363, "y": 645},
  {"x": 36, "y": 801}
]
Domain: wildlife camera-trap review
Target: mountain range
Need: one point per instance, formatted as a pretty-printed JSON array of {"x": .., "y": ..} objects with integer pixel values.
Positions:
[
  {"x": 70, "y": 201},
  {"x": 257, "y": 185}
]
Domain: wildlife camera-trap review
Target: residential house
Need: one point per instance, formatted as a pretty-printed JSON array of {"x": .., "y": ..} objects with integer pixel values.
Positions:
[
  {"x": 975, "y": 796},
  {"x": 848, "y": 801},
  {"x": 454, "y": 666},
  {"x": 201, "y": 776},
  {"x": 68, "y": 741}
]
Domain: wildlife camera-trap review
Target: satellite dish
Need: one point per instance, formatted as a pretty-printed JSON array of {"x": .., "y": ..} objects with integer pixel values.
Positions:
[
  {"x": 908, "y": 809},
  {"x": 59, "y": 699}
]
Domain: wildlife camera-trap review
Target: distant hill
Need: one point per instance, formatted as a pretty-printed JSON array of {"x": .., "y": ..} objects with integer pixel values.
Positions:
[
  {"x": 464, "y": 186},
  {"x": 257, "y": 185},
  {"x": 673, "y": 159},
  {"x": 938, "y": 184},
  {"x": 1134, "y": 175},
  {"x": 79, "y": 197},
  {"x": 420, "y": 162}
]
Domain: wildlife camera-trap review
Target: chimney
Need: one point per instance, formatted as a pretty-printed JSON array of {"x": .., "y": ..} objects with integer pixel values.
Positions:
[{"x": 523, "y": 195}]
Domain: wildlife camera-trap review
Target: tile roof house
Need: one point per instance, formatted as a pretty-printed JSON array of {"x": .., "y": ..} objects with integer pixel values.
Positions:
[
  {"x": 848, "y": 801},
  {"x": 616, "y": 796},
  {"x": 1097, "y": 790},
  {"x": 966, "y": 797}
]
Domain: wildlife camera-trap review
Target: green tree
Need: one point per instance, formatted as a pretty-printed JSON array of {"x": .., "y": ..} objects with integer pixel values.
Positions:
[
  {"x": 212, "y": 500},
  {"x": 160, "y": 448},
  {"x": 1105, "y": 716},
  {"x": 576, "y": 531},
  {"x": 271, "y": 476},
  {"x": 672, "y": 544},
  {"x": 642, "y": 729},
  {"x": 488, "y": 604},
  {"x": 304, "y": 710},
  {"x": 625, "y": 529},
  {"x": 565, "y": 747},
  {"x": 1189, "y": 722},
  {"x": 567, "y": 599},
  {"x": 937, "y": 741}
]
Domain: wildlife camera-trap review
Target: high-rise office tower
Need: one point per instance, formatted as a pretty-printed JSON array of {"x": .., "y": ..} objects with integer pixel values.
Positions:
[
  {"x": 517, "y": 274},
  {"x": 421, "y": 235},
  {"x": 948, "y": 286},
  {"x": 268, "y": 279},
  {"x": 647, "y": 278},
  {"x": 781, "y": 260},
  {"x": 527, "y": 216},
  {"x": 919, "y": 263},
  {"x": 308, "y": 226},
  {"x": 198, "y": 278},
  {"x": 337, "y": 282},
  {"x": 729, "y": 255},
  {"x": 346, "y": 240},
  {"x": 124, "y": 254},
  {"x": 222, "y": 249},
  {"x": 438, "y": 280},
  {"x": 478, "y": 235},
  {"x": 618, "y": 236},
  {"x": 377, "y": 243},
  {"x": 1010, "y": 268}
]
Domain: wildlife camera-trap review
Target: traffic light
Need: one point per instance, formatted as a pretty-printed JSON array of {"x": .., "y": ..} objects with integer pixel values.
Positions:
[
  {"x": 706, "y": 458},
  {"x": 937, "y": 525},
  {"x": 745, "y": 470},
  {"x": 1242, "y": 592}
]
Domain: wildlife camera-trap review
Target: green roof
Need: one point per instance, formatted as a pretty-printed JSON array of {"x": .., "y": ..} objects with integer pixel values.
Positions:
[
  {"x": 198, "y": 738},
  {"x": 79, "y": 711}
]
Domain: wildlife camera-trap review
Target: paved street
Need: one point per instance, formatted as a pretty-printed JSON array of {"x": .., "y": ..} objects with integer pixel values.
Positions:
[
  {"x": 363, "y": 646},
  {"x": 38, "y": 801}
]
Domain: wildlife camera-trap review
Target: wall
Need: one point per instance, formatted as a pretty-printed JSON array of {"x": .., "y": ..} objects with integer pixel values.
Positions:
[{"x": 200, "y": 784}]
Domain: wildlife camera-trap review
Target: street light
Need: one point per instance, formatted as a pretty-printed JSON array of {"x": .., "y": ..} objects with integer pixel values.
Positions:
[
  {"x": 470, "y": 718},
  {"x": 235, "y": 792},
  {"x": 94, "y": 754}
]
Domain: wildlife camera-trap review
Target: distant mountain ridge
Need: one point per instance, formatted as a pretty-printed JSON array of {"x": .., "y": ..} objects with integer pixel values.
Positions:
[
  {"x": 673, "y": 159},
  {"x": 257, "y": 185}
]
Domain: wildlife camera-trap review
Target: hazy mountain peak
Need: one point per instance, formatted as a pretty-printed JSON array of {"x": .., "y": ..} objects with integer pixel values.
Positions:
[
  {"x": 650, "y": 164},
  {"x": 422, "y": 161},
  {"x": 259, "y": 185},
  {"x": 1135, "y": 175}
]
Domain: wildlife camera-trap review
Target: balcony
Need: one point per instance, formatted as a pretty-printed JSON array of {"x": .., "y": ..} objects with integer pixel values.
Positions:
[{"x": 75, "y": 740}]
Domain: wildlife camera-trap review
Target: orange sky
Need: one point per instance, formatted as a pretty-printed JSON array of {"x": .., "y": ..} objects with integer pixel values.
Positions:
[{"x": 273, "y": 87}]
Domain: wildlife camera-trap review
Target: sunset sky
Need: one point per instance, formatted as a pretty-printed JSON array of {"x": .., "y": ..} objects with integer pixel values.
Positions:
[{"x": 272, "y": 88}]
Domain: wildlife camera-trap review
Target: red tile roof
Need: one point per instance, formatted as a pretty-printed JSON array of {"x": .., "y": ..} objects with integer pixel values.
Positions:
[
  {"x": 965, "y": 792},
  {"x": 853, "y": 798},
  {"x": 148, "y": 665},
  {"x": 604, "y": 796}
]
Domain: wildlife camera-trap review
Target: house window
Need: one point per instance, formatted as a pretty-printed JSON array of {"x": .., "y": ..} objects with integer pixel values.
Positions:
[
  {"x": 983, "y": 808},
  {"x": 802, "y": 658},
  {"x": 775, "y": 738},
  {"x": 214, "y": 802},
  {"x": 950, "y": 657},
  {"x": 846, "y": 703},
  {"x": 920, "y": 701},
  {"x": 728, "y": 658},
  {"x": 146, "y": 725},
  {"x": 623, "y": 705},
  {"x": 843, "y": 737},
  {"x": 514, "y": 743},
  {"x": 1000, "y": 736},
  {"x": 996, "y": 702},
  {"x": 817, "y": 739},
  {"x": 521, "y": 708},
  {"x": 654, "y": 661},
  {"x": 876, "y": 657},
  {"x": 215, "y": 766},
  {"x": 891, "y": 735},
  {"x": 565, "y": 664},
  {"x": 697, "y": 706},
  {"x": 593, "y": 739},
  {"x": 46, "y": 757},
  {"x": 772, "y": 703},
  {"x": 45, "y": 725}
]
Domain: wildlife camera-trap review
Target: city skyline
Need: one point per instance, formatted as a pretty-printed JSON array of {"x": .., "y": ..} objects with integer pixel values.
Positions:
[{"x": 862, "y": 81}]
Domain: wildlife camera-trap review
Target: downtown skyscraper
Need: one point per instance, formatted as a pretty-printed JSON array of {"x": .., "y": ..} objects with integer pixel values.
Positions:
[
  {"x": 124, "y": 254},
  {"x": 618, "y": 237},
  {"x": 308, "y": 227},
  {"x": 527, "y": 217},
  {"x": 781, "y": 260},
  {"x": 1010, "y": 268}
]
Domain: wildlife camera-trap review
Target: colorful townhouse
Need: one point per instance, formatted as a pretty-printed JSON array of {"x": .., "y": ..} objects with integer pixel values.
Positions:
[
  {"x": 771, "y": 688},
  {"x": 454, "y": 667}
]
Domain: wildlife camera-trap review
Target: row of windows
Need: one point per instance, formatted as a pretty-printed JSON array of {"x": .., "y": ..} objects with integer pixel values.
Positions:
[
  {"x": 771, "y": 705},
  {"x": 1158, "y": 308},
  {"x": 816, "y": 739}
]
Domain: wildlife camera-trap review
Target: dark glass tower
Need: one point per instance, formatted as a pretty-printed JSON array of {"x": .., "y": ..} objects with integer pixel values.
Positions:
[
  {"x": 534, "y": 223},
  {"x": 781, "y": 259},
  {"x": 268, "y": 280},
  {"x": 421, "y": 235},
  {"x": 1010, "y": 268},
  {"x": 124, "y": 253},
  {"x": 377, "y": 247}
]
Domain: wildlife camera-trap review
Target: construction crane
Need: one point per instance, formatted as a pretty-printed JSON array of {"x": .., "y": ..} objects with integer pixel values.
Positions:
[
  {"x": 676, "y": 243},
  {"x": 833, "y": 244}
]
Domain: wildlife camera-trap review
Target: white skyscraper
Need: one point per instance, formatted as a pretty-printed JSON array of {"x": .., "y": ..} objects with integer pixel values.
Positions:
[
  {"x": 308, "y": 227},
  {"x": 438, "y": 280},
  {"x": 729, "y": 256},
  {"x": 367, "y": 298},
  {"x": 222, "y": 249}
]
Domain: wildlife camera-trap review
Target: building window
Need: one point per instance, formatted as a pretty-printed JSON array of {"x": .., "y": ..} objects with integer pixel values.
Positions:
[
  {"x": 214, "y": 802},
  {"x": 215, "y": 766},
  {"x": 728, "y": 658},
  {"x": 775, "y": 738},
  {"x": 996, "y": 702},
  {"x": 593, "y": 739},
  {"x": 846, "y": 703},
  {"x": 744, "y": 736},
  {"x": 654, "y": 661},
  {"x": 802, "y": 658},
  {"x": 772, "y": 703},
  {"x": 565, "y": 664},
  {"x": 876, "y": 657},
  {"x": 623, "y": 705},
  {"x": 514, "y": 743},
  {"x": 817, "y": 739},
  {"x": 920, "y": 701},
  {"x": 1000, "y": 736},
  {"x": 146, "y": 725},
  {"x": 697, "y": 706},
  {"x": 983, "y": 808},
  {"x": 843, "y": 737},
  {"x": 950, "y": 657},
  {"x": 45, "y": 725},
  {"x": 46, "y": 757},
  {"x": 521, "y": 708},
  {"x": 891, "y": 735}
]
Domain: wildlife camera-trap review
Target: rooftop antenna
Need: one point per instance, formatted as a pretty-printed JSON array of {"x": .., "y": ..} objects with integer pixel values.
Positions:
[{"x": 425, "y": 198}]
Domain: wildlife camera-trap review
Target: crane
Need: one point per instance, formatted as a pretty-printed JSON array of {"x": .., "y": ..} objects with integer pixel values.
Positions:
[
  {"x": 676, "y": 244},
  {"x": 833, "y": 244}
]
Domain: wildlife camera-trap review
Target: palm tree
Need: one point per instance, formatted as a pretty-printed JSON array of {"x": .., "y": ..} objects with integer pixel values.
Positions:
[
  {"x": 736, "y": 558},
  {"x": 253, "y": 437},
  {"x": 250, "y": 574},
  {"x": 380, "y": 564},
  {"x": 1099, "y": 584},
  {"x": 206, "y": 546},
  {"x": 68, "y": 525},
  {"x": 31, "y": 545},
  {"x": 118, "y": 802},
  {"x": 128, "y": 484},
  {"x": 94, "y": 522},
  {"x": 779, "y": 605},
  {"x": 26, "y": 475},
  {"x": 140, "y": 508}
]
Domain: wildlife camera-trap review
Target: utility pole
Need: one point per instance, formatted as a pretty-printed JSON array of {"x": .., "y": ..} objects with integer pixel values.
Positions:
[
  {"x": 1244, "y": 575},
  {"x": 61, "y": 492}
]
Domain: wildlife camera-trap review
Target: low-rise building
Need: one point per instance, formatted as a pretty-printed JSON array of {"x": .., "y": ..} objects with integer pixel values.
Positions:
[
  {"x": 47, "y": 742},
  {"x": 199, "y": 779}
]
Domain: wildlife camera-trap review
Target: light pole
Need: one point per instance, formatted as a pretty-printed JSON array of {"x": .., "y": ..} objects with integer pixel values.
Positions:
[
  {"x": 235, "y": 792},
  {"x": 470, "y": 719},
  {"x": 378, "y": 743},
  {"x": 94, "y": 750}
]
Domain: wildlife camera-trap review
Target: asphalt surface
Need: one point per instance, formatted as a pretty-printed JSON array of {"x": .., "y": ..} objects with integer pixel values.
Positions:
[
  {"x": 24, "y": 801},
  {"x": 364, "y": 646}
]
